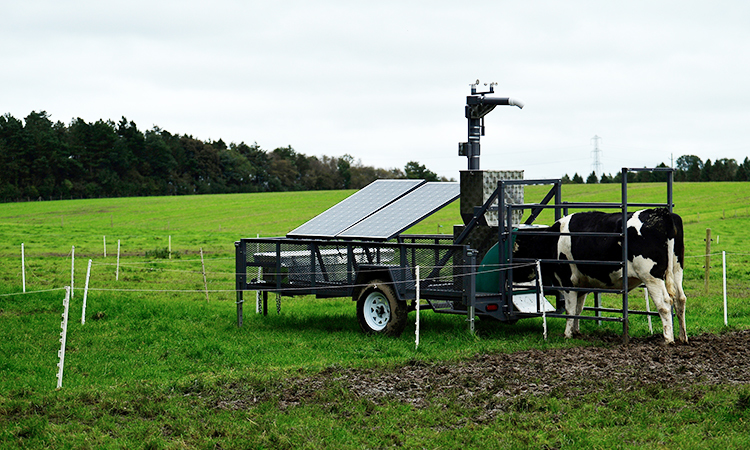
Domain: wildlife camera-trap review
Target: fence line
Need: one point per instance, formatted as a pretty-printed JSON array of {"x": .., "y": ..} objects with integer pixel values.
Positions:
[
  {"x": 486, "y": 268},
  {"x": 284, "y": 289},
  {"x": 290, "y": 291},
  {"x": 32, "y": 292}
]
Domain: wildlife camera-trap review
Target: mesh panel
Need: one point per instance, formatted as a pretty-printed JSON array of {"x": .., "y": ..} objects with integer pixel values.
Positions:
[{"x": 319, "y": 264}]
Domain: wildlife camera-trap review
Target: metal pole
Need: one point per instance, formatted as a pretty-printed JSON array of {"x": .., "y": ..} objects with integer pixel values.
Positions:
[
  {"x": 472, "y": 293},
  {"x": 240, "y": 266},
  {"x": 670, "y": 182},
  {"x": 597, "y": 305},
  {"x": 504, "y": 258},
  {"x": 257, "y": 293},
  {"x": 625, "y": 318}
]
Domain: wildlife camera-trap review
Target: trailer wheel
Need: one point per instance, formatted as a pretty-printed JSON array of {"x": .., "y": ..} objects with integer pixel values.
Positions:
[{"x": 379, "y": 311}]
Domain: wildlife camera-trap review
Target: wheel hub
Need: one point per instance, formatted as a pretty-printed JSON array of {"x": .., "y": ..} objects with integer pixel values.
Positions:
[{"x": 377, "y": 312}]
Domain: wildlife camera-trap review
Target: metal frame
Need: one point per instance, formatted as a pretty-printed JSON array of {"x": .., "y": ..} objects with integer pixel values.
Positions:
[
  {"x": 506, "y": 234},
  {"x": 324, "y": 279},
  {"x": 444, "y": 297}
]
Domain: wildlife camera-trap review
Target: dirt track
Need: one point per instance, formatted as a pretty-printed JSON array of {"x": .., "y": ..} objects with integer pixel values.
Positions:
[{"x": 489, "y": 380}]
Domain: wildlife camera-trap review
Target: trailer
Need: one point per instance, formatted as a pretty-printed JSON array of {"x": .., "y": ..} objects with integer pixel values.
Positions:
[{"x": 357, "y": 249}]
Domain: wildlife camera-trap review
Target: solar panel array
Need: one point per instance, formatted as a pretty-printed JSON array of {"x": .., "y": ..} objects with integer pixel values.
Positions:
[
  {"x": 380, "y": 211},
  {"x": 404, "y": 212},
  {"x": 354, "y": 208}
]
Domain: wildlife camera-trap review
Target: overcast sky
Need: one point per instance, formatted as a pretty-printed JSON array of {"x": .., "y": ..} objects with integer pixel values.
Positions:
[{"x": 386, "y": 81}]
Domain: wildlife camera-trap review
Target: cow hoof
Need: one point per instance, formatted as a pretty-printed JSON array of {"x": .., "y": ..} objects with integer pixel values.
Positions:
[{"x": 574, "y": 334}]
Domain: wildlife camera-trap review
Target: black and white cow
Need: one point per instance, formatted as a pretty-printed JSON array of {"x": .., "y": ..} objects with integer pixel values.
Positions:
[{"x": 656, "y": 253}]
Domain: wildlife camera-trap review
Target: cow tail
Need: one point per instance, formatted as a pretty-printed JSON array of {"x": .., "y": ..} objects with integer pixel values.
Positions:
[{"x": 669, "y": 278}]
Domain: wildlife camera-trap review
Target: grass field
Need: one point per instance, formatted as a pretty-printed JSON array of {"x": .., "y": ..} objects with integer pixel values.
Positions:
[{"x": 158, "y": 366}]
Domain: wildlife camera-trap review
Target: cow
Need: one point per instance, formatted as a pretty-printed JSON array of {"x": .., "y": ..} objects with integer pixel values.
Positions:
[{"x": 656, "y": 253}]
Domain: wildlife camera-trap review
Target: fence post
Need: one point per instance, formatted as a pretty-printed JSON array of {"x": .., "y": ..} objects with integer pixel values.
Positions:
[
  {"x": 63, "y": 337},
  {"x": 104, "y": 239},
  {"x": 205, "y": 283},
  {"x": 23, "y": 268},
  {"x": 708, "y": 259},
  {"x": 85, "y": 294},
  {"x": 648, "y": 310},
  {"x": 542, "y": 300},
  {"x": 724, "y": 264},
  {"x": 117, "y": 270},
  {"x": 416, "y": 345},
  {"x": 72, "y": 269}
]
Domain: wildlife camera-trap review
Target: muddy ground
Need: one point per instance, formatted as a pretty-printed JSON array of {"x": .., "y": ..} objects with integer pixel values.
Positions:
[{"x": 489, "y": 381}]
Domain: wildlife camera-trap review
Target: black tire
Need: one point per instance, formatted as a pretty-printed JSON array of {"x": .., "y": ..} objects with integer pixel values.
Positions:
[{"x": 379, "y": 311}]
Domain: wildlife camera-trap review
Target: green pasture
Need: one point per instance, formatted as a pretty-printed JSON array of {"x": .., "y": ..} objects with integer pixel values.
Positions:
[{"x": 156, "y": 365}]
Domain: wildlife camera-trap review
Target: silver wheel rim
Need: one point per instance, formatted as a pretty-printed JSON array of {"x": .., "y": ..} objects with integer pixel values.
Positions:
[{"x": 377, "y": 311}]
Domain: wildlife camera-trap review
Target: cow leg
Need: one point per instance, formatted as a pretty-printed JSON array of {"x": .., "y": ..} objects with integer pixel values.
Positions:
[
  {"x": 579, "y": 309},
  {"x": 658, "y": 292},
  {"x": 573, "y": 307},
  {"x": 679, "y": 303}
]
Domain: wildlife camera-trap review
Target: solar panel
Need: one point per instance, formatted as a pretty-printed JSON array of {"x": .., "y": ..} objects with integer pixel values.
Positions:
[
  {"x": 404, "y": 212},
  {"x": 354, "y": 208}
]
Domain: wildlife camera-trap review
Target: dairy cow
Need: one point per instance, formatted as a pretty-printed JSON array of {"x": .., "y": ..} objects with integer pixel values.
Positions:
[{"x": 656, "y": 254}]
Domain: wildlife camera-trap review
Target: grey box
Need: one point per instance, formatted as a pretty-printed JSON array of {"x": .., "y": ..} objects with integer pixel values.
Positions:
[{"x": 478, "y": 185}]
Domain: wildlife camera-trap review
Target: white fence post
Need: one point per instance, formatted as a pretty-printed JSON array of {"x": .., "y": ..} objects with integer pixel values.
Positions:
[
  {"x": 257, "y": 293},
  {"x": 104, "y": 239},
  {"x": 117, "y": 270},
  {"x": 542, "y": 300},
  {"x": 63, "y": 337},
  {"x": 416, "y": 345},
  {"x": 72, "y": 269},
  {"x": 205, "y": 283},
  {"x": 724, "y": 263},
  {"x": 23, "y": 268},
  {"x": 85, "y": 294},
  {"x": 648, "y": 309}
]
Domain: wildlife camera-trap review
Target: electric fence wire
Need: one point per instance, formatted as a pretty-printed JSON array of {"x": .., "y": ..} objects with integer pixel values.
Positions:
[
  {"x": 293, "y": 289},
  {"x": 485, "y": 269}
]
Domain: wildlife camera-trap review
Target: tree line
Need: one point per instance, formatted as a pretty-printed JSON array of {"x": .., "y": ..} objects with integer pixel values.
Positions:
[
  {"x": 40, "y": 159},
  {"x": 687, "y": 168}
]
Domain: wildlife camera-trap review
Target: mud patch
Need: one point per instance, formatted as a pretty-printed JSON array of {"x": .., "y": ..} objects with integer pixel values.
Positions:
[{"x": 492, "y": 382}]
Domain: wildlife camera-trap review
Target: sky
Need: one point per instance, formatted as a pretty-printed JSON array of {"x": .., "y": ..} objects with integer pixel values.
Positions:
[{"x": 386, "y": 81}]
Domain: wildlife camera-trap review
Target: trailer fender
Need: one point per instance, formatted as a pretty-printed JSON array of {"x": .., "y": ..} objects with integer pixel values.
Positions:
[{"x": 400, "y": 279}]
